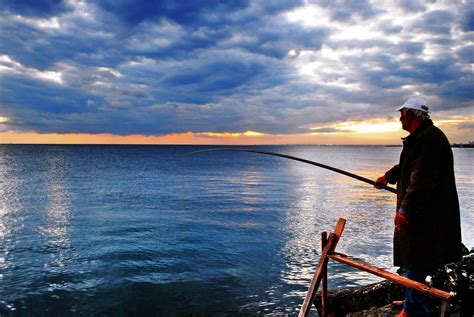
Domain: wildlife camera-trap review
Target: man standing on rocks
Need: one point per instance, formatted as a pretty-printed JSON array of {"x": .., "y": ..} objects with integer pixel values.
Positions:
[{"x": 427, "y": 222}]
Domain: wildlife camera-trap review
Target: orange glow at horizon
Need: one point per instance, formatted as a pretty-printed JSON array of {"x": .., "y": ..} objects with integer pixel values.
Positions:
[
  {"x": 205, "y": 138},
  {"x": 172, "y": 138},
  {"x": 370, "y": 132}
]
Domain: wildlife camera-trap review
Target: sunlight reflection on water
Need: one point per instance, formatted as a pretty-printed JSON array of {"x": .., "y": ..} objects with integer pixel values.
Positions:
[
  {"x": 58, "y": 203},
  {"x": 321, "y": 198},
  {"x": 231, "y": 232},
  {"x": 9, "y": 207}
]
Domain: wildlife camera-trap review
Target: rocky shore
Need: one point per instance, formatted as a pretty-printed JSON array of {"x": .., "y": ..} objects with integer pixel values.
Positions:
[{"x": 376, "y": 299}]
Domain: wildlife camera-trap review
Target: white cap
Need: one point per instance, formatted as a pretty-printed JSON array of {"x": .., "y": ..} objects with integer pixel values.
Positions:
[{"x": 416, "y": 104}]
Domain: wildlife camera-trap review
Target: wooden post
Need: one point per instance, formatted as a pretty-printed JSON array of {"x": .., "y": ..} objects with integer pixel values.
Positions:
[
  {"x": 328, "y": 246},
  {"x": 316, "y": 280},
  {"x": 324, "y": 280}
]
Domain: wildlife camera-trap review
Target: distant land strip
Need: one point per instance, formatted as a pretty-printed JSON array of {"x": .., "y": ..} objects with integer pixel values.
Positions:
[{"x": 468, "y": 145}]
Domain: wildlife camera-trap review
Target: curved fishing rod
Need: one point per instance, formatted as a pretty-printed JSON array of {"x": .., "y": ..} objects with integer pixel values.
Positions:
[{"x": 363, "y": 179}]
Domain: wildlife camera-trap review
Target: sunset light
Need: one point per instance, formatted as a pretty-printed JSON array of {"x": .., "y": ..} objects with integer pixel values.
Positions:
[
  {"x": 230, "y": 134},
  {"x": 368, "y": 126},
  {"x": 253, "y": 73},
  {"x": 175, "y": 158}
]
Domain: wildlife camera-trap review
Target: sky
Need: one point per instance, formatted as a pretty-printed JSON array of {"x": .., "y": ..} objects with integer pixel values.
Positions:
[{"x": 232, "y": 72}]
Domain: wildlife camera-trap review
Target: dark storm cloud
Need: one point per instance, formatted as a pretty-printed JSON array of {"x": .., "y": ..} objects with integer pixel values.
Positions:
[{"x": 157, "y": 67}]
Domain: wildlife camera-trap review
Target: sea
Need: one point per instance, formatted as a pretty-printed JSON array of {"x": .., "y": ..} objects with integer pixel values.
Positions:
[{"x": 125, "y": 230}]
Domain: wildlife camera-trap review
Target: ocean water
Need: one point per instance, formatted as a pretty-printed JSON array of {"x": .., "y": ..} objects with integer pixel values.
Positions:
[{"x": 146, "y": 231}]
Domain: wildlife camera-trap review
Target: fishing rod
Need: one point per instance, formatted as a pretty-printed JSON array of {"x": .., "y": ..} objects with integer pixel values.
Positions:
[{"x": 363, "y": 179}]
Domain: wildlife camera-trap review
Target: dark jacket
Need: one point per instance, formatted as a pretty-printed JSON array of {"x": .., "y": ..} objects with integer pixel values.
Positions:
[{"x": 426, "y": 191}]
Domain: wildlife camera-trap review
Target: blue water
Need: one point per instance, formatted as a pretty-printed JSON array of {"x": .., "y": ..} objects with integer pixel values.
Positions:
[{"x": 143, "y": 230}]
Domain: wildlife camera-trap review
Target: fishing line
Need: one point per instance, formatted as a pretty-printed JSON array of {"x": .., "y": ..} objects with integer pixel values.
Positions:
[{"x": 337, "y": 170}]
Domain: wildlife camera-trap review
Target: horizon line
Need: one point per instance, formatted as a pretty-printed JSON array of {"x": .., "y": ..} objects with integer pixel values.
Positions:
[{"x": 203, "y": 144}]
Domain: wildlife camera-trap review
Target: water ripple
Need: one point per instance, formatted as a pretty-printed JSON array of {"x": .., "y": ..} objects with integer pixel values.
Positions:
[{"x": 110, "y": 230}]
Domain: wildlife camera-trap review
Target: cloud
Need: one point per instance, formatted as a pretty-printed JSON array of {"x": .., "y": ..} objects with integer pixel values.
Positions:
[
  {"x": 467, "y": 19},
  {"x": 7, "y": 65},
  {"x": 329, "y": 130},
  {"x": 466, "y": 54},
  {"x": 412, "y": 5},
  {"x": 42, "y": 8},
  {"x": 466, "y": 126},
  {"x": 346, "y": 10},
  {"x": 159, "y": 67},
  {"x": 190, "y": 12},
  {"x": 430, "y": 22}
]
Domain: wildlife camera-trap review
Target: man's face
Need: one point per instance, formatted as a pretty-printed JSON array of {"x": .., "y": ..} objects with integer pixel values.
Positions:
[{"x": 406, "y": 117}]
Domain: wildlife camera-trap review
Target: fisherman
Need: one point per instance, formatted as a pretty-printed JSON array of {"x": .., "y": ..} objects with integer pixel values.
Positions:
[{"x": 427, "y": 221}]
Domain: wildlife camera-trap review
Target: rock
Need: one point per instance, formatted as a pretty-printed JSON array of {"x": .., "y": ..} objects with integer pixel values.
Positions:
[
  {"x": 355, "y": 299},
  {"x": 375, "y": 299},
  {"x": 458, "y": 277}
]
